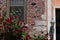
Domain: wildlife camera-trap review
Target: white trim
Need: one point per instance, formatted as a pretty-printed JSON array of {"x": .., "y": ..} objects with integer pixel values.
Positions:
[
  {"x": 56, "y": 6},
  {"x": 49, "y": 16},
  {"x": 54, "y": 13},
  {"x": 54, "y": 25}
]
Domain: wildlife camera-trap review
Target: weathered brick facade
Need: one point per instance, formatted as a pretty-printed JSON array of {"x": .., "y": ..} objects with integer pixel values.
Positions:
[{"x": 34, "y": 13}]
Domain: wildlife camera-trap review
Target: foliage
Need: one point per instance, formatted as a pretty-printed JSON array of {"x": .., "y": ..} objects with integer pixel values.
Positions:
[
  {"x": 13, "y": 26},
  {"x": 15, "y": 29}
]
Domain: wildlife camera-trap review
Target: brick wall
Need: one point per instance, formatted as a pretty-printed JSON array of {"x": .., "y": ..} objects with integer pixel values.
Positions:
[
  {"x": 2, "y": 6},
  {"x": 31, "y": 10},
  {"x": 35, "y": 13}
]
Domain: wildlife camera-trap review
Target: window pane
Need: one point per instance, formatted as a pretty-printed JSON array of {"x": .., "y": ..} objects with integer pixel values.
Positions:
[{"x": 18, "y": 7}]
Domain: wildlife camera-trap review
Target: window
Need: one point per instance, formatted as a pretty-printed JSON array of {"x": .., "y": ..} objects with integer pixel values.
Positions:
[{"x": 18, "y": 7}]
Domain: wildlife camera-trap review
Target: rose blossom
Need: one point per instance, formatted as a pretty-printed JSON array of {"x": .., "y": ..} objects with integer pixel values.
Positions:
[
  {"x": 17, "y": 31},
  {"x": 1, "y": 18},
  {"x": 7, "y": 27},
  {"x": 9, "y": 20},
  {"x": 4, "y": 22},
  {"x": 13, "y": 30},
  {"x": 28, "y": 36},
  {"x": 10, "y": 17}
]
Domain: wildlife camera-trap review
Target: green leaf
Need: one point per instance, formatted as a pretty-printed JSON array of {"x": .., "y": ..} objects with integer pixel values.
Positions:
[
  {"x": 42, "y": 36},
  {"x": 15, "y": 26},
  {"x": 11, "y": 28},
  {"x": 20, "y": 33}
]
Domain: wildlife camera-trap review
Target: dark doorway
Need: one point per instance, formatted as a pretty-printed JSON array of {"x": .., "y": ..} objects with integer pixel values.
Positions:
[{"x": 58, "y": 24}]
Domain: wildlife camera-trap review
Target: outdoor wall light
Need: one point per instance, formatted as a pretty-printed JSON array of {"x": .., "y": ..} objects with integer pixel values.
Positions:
[
  {"x": 0, "y": 8},
  {"x": 33, "y": 4}
]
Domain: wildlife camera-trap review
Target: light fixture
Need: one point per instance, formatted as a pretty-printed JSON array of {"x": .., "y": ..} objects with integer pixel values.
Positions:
[
  {"x": 0, "y": 8},
  {"x": 33, "y": 4}
]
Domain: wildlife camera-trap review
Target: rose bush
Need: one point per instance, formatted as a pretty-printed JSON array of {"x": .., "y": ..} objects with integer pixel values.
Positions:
[{"x": 15, "y": 29}]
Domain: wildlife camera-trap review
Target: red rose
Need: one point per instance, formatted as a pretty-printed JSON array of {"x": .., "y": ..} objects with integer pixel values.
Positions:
[
  {"x": 7, "y": 27},
  {"x": 1, "y": 18},
  {"x": 47, "y": 34},
  {"x": 13, "y": 30},
  {"x": 18, "y": 30},
  {"x": 28, "y": 36},
  {"x": 10, "y": 17},
  {"x": 9, "y": 20},
  {"x": 38, "y": 39},
  {"x": 4, "y": 22}
]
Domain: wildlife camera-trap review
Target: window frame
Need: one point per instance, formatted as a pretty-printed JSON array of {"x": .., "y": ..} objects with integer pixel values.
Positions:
[{"x": 25, "y": 8}]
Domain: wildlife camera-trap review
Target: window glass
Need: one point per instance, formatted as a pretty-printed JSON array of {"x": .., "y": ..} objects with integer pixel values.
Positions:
[{"x": 18, "y": 7}]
